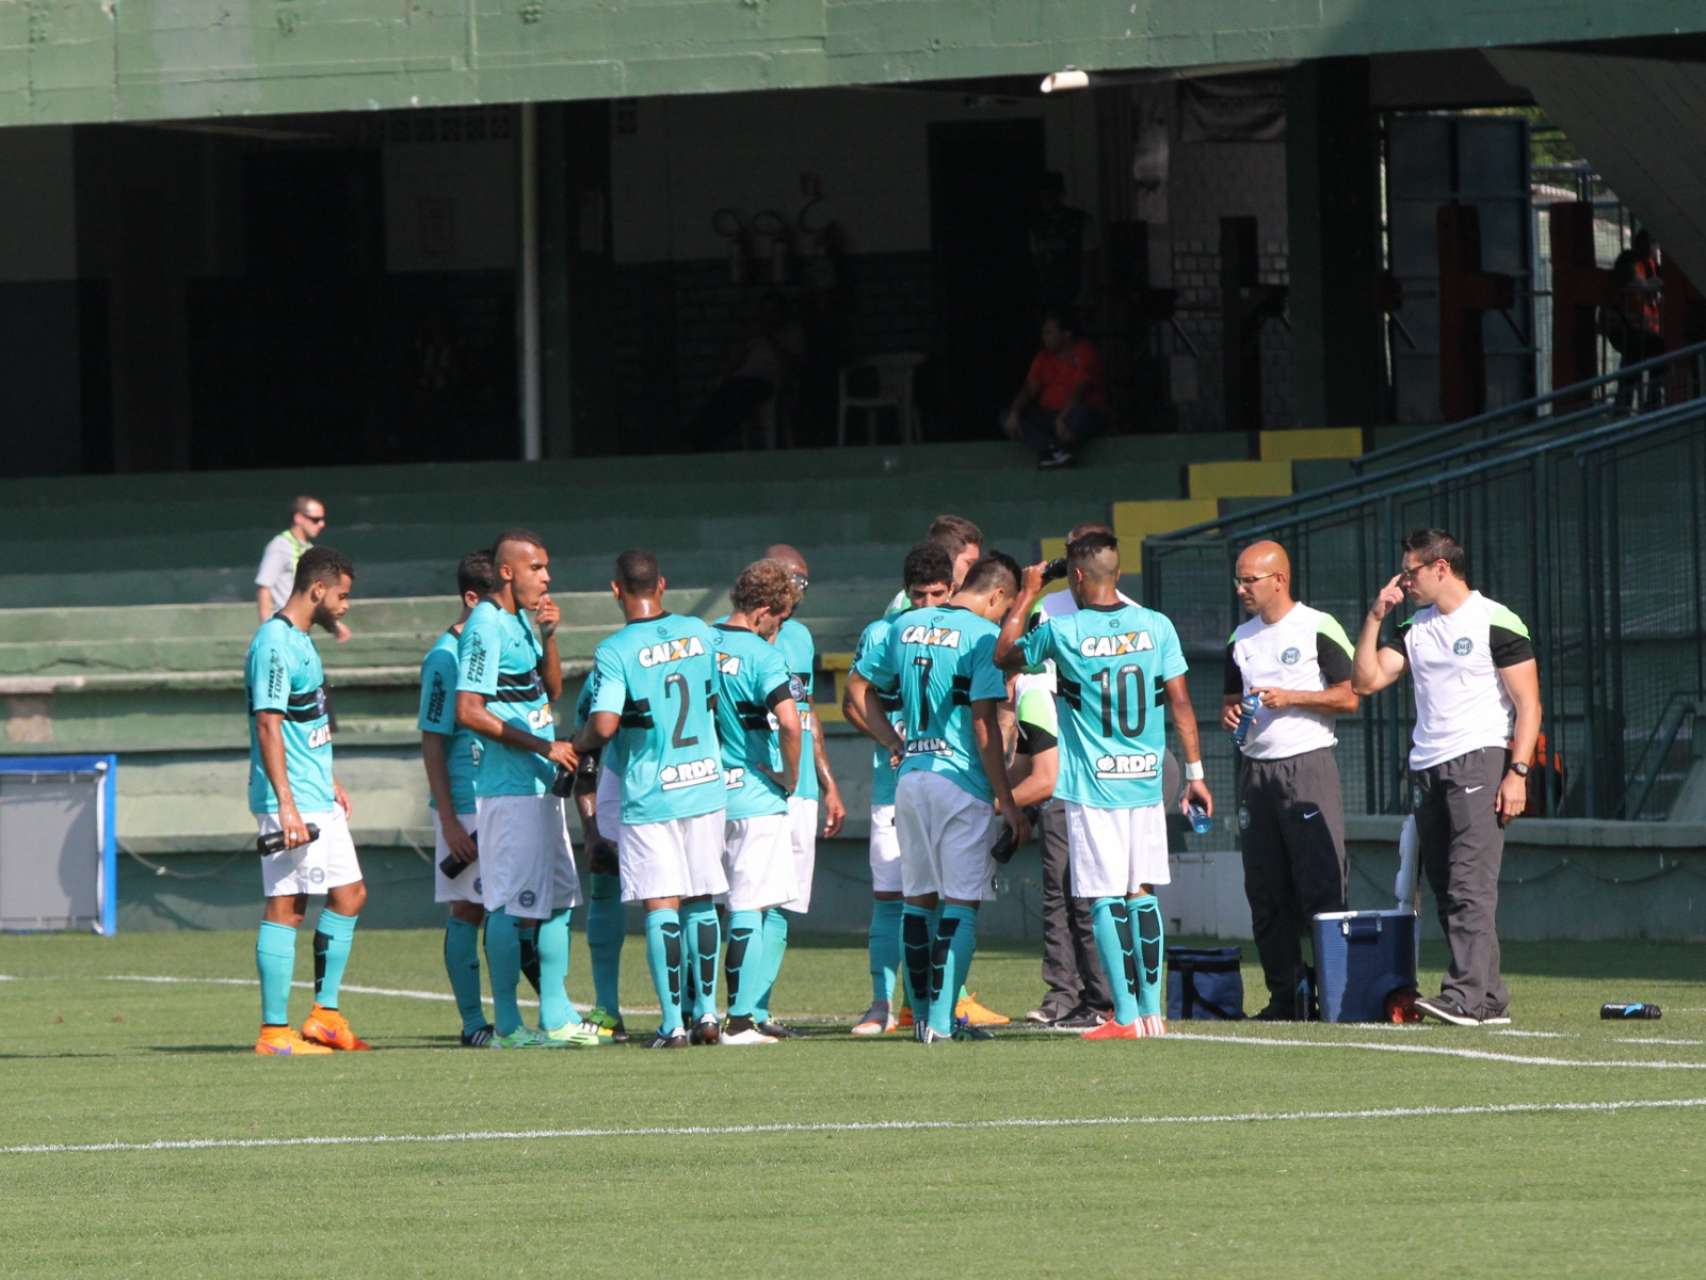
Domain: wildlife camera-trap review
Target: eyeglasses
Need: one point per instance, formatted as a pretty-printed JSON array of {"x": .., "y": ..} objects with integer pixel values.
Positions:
[
  {"x": 1251, "y": 579},
  {"x": 1407, "y": 573},
  {"x": 319, "y": 519}
]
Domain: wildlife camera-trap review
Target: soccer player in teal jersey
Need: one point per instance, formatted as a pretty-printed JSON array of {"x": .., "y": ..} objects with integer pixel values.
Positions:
[
  {"x": 507, "y": 679},
  {"x": 598, "y": 799},
  {"x": 1117, "y": 667},
  {"x": 927, "y": 578},
  {"x": 952, "y": 771},
  {"x": 654, "y": 685},
  {"x": 815, "y": 808},
  {"x": 758, "y": 723},
  {"x": 291, "y": 788},
  {"x": 450, "y": 755}
]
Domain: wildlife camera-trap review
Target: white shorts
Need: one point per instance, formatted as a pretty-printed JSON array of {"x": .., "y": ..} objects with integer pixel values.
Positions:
[
  {"x": 314, "y": 867},
  {"x": 758, "y": 860},
  {"x": 885, "y": 850},
  {"x": 945, "y": 835},
  {"x": 609, "y": 802},
  {"x": 1114, "y": 852},
  {"x": 527, "y": 866},
  {"x": 802, "y": 817},
  {"x": 466, "y": 886},
  {"x": 680, "y": 858}
]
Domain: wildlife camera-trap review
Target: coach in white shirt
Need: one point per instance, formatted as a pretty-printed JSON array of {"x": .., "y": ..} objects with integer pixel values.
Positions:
[
  {"x": 1477, "y": 719},
  {"x": 1291, "y": 812}
]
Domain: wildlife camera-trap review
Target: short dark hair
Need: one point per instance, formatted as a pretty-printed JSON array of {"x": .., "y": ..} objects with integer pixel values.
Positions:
[
  {"x": 321, "y": 564},
  {"x": 1084, "y": 527},
  {"x": 991, "y": 567},
  {"x": 475, "y": 572},
  {"x": 637, "y": 571},
  {"x": 1437, "y": 544},
  {"x": 301, "y": 502},
  {"x": 955, "y": 533},
  {"x": 1082, "y": 549},
  {"x": 927, "y": 562},
  {"x": 514, "y": 535}
]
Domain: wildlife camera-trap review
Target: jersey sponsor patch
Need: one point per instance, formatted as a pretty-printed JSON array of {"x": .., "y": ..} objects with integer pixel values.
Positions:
[
  {"x": 945, "y": 637},
  {"x": 675, "y": 649},
  {"x": 1115, "y": 645},
  {"x": 690, "y": 773},
  {"x": 1142, "y": 765},
  {"x": 929, "y": 747}
]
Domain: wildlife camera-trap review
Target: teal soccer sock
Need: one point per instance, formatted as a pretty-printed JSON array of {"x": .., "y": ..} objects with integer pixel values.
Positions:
[
  {"x": 275, "y": 962},
  {"x": 884, "y": 944},
  {"x": 503, "y": 964},
  {"x": 1110, "y": 921},
  {"x": 552, "y": 942},
  {"x": 333, "y": 934},
  {"x": 745, "y": 961},
  {"x": 702, "y": 935},
  {"x": 950, "y": 961},
  {"x": 528, "y": 932},
  {"x": 462, "y": 967},
  {"x": 663, "y": 957},
  {"x": 775, "y": 947},
  {"x": 916, "y": 936},
  {"x": 1149, "y": 935},
  {"x": 606, "y": 925}
]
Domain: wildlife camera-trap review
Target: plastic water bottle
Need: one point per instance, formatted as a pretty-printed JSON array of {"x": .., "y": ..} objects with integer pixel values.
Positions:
[
  {"x": 274, "y": 843},
  {"x": 1246, "y": 717},
  {"x": 1201, "y": 823},
  {"x": 1623, "y": 1012}
]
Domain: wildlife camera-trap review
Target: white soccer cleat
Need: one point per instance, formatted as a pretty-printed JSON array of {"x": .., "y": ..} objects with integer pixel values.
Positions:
[
  {"x": 876, "y": 1020},
  {"x": 751, "y": 1035}
]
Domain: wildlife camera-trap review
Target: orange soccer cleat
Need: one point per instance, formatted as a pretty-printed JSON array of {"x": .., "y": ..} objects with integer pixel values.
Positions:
[
  {"x": 904, "y": 1022},
  {"x": 1111, "y": 1030},
  {"x": 284, "y": 1042},
  {"x": 330, "y": 1028},
  {"x": 968, "y": 1008}
]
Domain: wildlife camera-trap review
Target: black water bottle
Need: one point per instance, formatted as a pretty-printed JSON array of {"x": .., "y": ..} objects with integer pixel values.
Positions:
[
  {"x": 1005, "y": 846},
  {"x": 274, "y": 843},
  {"x": 452, "y": 866},
  {"x": 1630, "y": 1012}
]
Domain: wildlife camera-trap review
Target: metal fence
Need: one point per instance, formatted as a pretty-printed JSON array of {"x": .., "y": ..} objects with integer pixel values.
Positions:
[{"x": 1593, "y": 535}]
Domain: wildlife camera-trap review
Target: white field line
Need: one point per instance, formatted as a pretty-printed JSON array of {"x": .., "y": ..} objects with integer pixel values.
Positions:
[
  {"x": 1654, "y": 1040},
  {"x": 1536, "y": 1035},
  {"x": 1476, "y": 1055},
  {"x": 853, "y": 1126},
  {"x": 404, "y": 993}
]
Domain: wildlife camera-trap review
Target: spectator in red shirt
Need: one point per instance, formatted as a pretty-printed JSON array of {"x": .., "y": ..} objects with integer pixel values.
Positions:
[{"x": 1064, "y": 400}]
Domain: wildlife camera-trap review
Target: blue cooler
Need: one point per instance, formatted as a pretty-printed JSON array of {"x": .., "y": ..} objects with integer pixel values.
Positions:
[{"x": 1361, "y": 957}]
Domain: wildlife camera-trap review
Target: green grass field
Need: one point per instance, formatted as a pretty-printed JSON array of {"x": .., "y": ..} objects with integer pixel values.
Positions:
[{"x": 1567, "y": 1147}]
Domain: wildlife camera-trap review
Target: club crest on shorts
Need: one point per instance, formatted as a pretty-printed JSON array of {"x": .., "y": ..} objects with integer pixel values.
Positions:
[
  {"x": 1290, "y": 656},
  {"x": 527, "y": 898},
  {"x": 1462, "y": 646}
]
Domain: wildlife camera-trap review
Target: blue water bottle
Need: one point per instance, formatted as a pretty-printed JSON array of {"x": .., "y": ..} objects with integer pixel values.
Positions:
[
  {"x": 1246, "y": 717},
  {"x": 1201, "y": 823}
]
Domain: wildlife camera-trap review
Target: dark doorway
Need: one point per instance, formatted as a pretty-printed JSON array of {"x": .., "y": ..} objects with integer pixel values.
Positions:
[{"x": 982, "y": 179}]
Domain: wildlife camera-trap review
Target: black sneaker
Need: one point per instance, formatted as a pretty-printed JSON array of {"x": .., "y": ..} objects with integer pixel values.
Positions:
[
  {"x": 1055, "y": 460},
  {"x": 1083, "y": 1018},
  {"x": 479, "y": 1038},
  {"x": 705, "y": 1031},
  {"x": 776, "y": 1029},
  {"x": 1276, "y": 1012},
  {"x": 1446, "y": 1010},
  {"x": 676, "y": 1039}
]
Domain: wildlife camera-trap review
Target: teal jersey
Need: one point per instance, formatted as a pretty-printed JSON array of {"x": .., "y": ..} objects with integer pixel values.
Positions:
[
  {"x": 939, "y": 661},
  {"x": 498, "y": 658},
  {"x": 752, "y": 679},
  {"x": 438, "y": 715},
  {"x": 800, "y": 653},
  {"x": 658, "y": 674},
  {"x": 1112, "y": 663},
  {"x": 610, "y": 754},
  {"x": 883, "y": 774},
  {"x": 283, "y": 674}
]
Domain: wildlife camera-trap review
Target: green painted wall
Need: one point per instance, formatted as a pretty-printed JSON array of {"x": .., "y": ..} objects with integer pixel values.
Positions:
[{"x": 81, "y": 61}]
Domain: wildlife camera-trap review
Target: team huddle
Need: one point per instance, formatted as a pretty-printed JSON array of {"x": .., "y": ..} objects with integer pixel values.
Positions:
[{"x": 702, "y": 787}]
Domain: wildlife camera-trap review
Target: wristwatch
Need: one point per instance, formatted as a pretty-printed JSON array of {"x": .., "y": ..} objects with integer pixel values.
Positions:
[{"x": 1517, "y": 767}]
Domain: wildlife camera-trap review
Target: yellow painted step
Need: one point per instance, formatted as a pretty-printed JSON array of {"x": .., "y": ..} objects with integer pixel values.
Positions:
[
  {"x": 1240, "y": 479},
  {"x": 1310, "y": 443},
  {"x": 1135, "y": 521}
]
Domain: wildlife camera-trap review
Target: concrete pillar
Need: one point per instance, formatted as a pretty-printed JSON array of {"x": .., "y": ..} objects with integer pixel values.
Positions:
[{"x": 1333, "y": 217}]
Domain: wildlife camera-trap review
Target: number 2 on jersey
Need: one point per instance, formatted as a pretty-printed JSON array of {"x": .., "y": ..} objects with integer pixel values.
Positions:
[{"x": 677, "y": 683}]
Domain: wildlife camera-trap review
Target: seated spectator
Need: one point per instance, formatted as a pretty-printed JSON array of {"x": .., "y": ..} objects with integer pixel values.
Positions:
[
  {"x": 757, "y": 371},
  {"x": 1064, "y": 401},
  {"x": 1633, "y": 329}
]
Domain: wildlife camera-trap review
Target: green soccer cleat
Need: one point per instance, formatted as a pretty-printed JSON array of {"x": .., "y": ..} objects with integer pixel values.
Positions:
[
  {"x": 520, "y": 1038},
  {"x": 609, "y": 1022},
  {"x": 576, "y": 1035}
]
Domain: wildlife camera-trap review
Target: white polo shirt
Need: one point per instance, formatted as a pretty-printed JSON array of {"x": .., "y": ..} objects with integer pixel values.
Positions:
[
  {"x": 1455, "y": 659},
  {"x": 1306, "y": 649}
]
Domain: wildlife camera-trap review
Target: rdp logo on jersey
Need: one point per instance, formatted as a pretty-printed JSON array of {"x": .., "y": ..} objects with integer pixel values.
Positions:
[
  {"x": 655, "y": 655},
  {"x": 929, "y": 747},
  {"x": 1114, "y": 646},
  {"x": 692, "y": 774},
  {"x": 1122, "y": 768},
  {"x": 918, "y": 633},
  {"x": 734, "y": 779}
]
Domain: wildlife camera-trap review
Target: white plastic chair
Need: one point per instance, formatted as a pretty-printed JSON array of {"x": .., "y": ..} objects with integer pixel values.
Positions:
[{"x": 894, "y": 372}]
